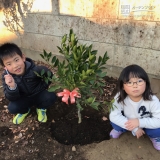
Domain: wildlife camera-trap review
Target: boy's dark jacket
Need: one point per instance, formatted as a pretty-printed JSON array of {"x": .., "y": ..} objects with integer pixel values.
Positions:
[{"x": 28, "y": 84}]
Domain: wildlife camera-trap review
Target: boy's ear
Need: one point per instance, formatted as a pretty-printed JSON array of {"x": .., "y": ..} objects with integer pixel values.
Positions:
[{"x": 23, "y": 57}]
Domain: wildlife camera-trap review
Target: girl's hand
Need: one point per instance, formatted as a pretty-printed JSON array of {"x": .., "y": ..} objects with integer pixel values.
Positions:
[
  {"x": 139, "y": 133},
  {"x": 132, "y": 124},
  {"x": 9, "y": 80}
]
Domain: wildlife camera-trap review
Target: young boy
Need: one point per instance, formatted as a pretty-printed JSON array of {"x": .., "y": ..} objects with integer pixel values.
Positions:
[{"x": 21, "y": 85}]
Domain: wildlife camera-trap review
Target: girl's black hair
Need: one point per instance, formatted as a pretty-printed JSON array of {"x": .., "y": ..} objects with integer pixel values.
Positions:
[
  {"x": 130, "y": 72},
  {"x": 9, "y": 50}
]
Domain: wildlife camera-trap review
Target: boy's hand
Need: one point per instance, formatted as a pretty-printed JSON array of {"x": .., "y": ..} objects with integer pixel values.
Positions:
[
  {"x": 139, "y": 133},
  {"x": 9, "y": 80},
  {"x": 132, "y": 124}
]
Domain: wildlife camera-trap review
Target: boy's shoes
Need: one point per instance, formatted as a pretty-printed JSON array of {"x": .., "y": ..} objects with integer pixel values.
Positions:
[
  {"x": 42, "y": 117},
  {"x": 20, "y": 117},
  {"x": 156, "y": 143},
  {"x": 115, "y": 134}
]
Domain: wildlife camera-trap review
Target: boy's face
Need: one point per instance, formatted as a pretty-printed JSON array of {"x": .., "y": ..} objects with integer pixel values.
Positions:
[{"x": 15, "y": 64}]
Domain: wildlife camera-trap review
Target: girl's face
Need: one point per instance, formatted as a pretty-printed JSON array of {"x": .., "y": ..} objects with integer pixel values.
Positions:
[
  {"x": 15, "y": 64},
  {"x": 135, "y": 88}
]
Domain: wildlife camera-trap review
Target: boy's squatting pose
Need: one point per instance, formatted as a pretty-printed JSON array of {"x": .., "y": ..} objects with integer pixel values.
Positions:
[{"x": 22, "y": 87}]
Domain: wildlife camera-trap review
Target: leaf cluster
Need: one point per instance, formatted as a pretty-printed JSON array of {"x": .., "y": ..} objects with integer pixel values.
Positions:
[{"x": 81, "y": 68}]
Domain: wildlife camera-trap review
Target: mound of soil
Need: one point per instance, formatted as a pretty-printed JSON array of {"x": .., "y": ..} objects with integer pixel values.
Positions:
[
  {"x": 89, "y": 131},
  {"x": 67, "y": 130}
]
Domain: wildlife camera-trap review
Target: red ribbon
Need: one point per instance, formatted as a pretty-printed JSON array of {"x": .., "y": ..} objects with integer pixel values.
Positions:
[{"x": 67, "y": 94}]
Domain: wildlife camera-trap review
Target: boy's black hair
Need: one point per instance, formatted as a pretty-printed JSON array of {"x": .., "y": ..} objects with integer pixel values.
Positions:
[
  {"x": 132, "y": 71},
  {"x": 9, "y": 50}
]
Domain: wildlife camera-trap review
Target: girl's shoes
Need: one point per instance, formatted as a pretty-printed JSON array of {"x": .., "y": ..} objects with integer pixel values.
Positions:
[
  {"x": 156, "y": 143},
  {"x": 115, "y": 134}
]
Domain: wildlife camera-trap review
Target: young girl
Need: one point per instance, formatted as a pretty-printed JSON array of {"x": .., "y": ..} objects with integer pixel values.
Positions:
[{"x": 135, "y": 108}]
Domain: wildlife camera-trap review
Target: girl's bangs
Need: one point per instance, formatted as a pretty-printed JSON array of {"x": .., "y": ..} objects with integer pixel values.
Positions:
[{"x": 130, "y": 75}]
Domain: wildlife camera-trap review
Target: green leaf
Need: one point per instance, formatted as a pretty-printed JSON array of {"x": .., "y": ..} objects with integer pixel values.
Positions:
[
  {"x": 42, "y": 56},
  {"x": 90, "y": 47},
  {"x": 111, "y": 106},
  {"x": 95, "y": 105},
  {"x": 101, "y": 90},
  {"x": 75, "y": 57},
  {"x": 42, "y": 72},
  {"x": 89, "y": 71},
  {"x": 60, "y": 50},
  {"x": 105, "y": 57},
  {"x": 49, "y": 56},
  {"x": 102, "y": 84},
  {"x": 71, "y": 31},
  {"x": 93, "y": 59},
  {"x": 75, "y": 48},
  {"x": 102, "y": 74},
  {"x": 45, "y": 53},
  {"x": 37, "y": 74},
  {"x": 90, "y": 99},
  {"x": 72, "y": 37},
  {"x": 64, "y": 38},
  {"x": 48, "y": 73},
  {"x": 56, "y": 63},
  {"x": 82, "y": 83},
  {"x": 85, "y": 55},
  {"x": 53, "y": 88},
  {"x": 92, "y": 82},
  {"x": 99, "y": 59},
  {"x": 93, "y": 65},
  {"x": 94, "y": 52},
  {"x": 53, "y": 59},
  {"x": 46, "y": 80}
]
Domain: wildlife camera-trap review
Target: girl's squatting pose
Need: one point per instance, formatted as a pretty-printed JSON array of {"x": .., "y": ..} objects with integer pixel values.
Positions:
[{"x": 135, "y": 108}]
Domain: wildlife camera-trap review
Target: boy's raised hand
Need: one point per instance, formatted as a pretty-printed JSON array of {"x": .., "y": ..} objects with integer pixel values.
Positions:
[
  {"x": 9, "y": 80},
  {"x": 132, "y": 124}
]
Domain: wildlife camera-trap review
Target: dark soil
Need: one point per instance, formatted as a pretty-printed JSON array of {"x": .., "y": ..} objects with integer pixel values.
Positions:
[
  {"x": 67, "y": 130},
  {"x": 32, "y": 140}
]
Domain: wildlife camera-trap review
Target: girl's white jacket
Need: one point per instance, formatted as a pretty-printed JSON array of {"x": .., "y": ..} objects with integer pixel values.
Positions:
[{"x": 148, "y": 112}]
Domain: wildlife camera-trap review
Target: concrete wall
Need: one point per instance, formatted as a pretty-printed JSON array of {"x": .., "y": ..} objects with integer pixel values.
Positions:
[{"x": 129, "y": 30}]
